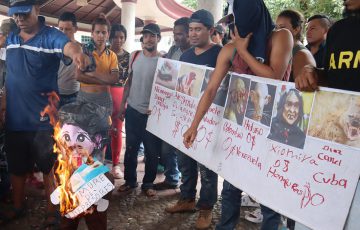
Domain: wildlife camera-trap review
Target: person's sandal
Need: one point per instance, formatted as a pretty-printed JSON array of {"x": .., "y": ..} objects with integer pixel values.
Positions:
[
  {"x": 16, "y": 213},
  {"x": 125, "y": 188},
  {"x": 149, "y": 192}
]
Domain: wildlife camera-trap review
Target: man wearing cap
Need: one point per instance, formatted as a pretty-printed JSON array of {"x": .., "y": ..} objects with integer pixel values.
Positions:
[
  {"x": 218, "y": 35},
  {"x": 33, "y": 56},
  {"x": 168, "y": 152},
  {"x": 137, "y": 92},
  {"x": 204, "y": 52}
]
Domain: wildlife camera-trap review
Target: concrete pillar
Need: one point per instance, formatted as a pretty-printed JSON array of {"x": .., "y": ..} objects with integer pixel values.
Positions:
[
  {"x": 214, "y": 6},
  {"x": 128, "y": 13}
]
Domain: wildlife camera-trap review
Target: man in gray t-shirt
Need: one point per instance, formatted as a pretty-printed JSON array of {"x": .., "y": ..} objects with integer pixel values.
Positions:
[
  {"x": 137, "y": 92},
  {"x": 67, "y": 83}
]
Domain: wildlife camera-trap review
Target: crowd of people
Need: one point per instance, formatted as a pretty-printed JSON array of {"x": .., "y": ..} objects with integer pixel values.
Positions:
[{"x": 101, "y": 72}]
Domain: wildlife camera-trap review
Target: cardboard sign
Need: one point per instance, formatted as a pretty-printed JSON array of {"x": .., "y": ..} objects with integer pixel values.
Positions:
[
  {"x": 295, "y": 152},
  {"x": 89, "y": 184}
]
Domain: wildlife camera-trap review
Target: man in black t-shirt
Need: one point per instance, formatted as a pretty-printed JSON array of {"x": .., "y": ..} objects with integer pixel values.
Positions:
[
  {"x": 341, "y": 71},
  {"x": 203, "y": 52},
  {"x": 317, "y": 28}
]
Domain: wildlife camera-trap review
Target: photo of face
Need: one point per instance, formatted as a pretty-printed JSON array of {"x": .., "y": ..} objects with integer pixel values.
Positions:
[
  {"x": 290, "y": 121},
  {"x": 222, "y": 91},
  {"x": 166, "y": 73},
  {"x": 236, "y": 99},
  {"x": 261, "y": 102},
  {"x": 291, "y": 108}
]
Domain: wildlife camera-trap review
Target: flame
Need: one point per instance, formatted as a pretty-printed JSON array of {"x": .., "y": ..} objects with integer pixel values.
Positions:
[{"x": 64, "y": 166}]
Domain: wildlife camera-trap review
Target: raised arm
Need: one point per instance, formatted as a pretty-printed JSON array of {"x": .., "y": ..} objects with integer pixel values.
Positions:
[
  {"x": 74, "y": 51},
  {"x": 301, "y": 59},
  {"x": 97, "y": 78},
  {"x": 280, "y": 55},
  {"x": 221, "y": 69}
]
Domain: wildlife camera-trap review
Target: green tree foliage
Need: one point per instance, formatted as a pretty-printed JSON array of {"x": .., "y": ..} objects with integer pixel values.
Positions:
[
  {"x": 331, "y": 8},
  {"x": 192, "y": 4}
]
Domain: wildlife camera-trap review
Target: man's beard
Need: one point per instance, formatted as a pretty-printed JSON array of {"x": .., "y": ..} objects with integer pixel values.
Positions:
[
  {"x": 351, "y": 13},
  {"x": 150, "y": 49}
]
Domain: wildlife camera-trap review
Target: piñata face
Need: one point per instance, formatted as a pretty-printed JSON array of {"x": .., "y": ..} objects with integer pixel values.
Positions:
[{"x": 78, "y": 141}]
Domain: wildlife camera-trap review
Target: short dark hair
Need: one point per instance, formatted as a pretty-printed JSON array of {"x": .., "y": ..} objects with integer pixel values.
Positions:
[
  {"x": 68, "y": 16},
  {"x": 296, "y": 20},
  {"x": 184, "y": 21},
  {"x": 325, "y": 21},
  {"x": 101, "y": 20},
  {"x": 117, "y": 28}
]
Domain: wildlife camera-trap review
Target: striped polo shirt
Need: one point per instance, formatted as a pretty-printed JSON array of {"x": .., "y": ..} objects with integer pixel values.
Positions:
[{"x": 32, "y": 68}]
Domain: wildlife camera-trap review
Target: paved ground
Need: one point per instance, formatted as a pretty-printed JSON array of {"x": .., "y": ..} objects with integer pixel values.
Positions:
[{"x": 132, "y": 212}]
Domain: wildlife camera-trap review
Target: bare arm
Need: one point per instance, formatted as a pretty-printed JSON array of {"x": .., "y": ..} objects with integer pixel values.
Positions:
[
  {"x": 97, "y": 78},
  {"x": 282, "y": 43},
  {"x": 74, "y": 51},
  {"x": 127, "y": 86},
  {"x": 222, "y": 67},
  {"x": 301, "y": 59},
  {"x": 310, "y": 78}
]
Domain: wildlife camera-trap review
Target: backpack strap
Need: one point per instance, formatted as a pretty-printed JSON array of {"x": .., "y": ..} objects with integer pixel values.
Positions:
[{"x": 136, "y": 54}]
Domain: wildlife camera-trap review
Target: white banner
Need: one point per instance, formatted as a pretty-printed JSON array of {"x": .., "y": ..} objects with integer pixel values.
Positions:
[{"x": 295, "y": 152}]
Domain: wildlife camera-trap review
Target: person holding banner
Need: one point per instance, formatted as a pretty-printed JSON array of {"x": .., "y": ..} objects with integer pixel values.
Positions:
[
  {"x": 168, "y": 152},
  {"x": 203, "y": 52},
  {"x": 252, "y": 37},
  {"x": 340, "y": 73}
]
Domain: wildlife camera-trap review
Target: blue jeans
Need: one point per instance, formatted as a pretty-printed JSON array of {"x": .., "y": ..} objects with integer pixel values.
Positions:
[
  {"x": 230, "y": 207},
  {"x": 189, "y": 171},
  {"x": 271, "y": 219},
  {"x": 135, "y": 128},
  {"x": 169, "y": 157},
  {"x": 66, "y": 99}
]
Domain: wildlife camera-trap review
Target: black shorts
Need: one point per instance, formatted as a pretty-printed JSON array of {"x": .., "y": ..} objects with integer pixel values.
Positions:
[{"x": 24, "y": 149}]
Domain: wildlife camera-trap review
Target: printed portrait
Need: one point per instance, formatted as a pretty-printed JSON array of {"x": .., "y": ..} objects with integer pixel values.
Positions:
[
  {"x": 290, "y": 120},
  {"x": 336, "y": 118},
  {"x": 236, "y": 99},
  {"x": 222, "y": 91},
  {"x": 190, "y": 80},
  {"x": 166, "y": 73},
  {"x": 261, "y": 102}
]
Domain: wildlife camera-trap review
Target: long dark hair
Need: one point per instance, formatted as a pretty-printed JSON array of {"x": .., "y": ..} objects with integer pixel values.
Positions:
[
  {"x": 281, "y": 105},
  {"x": 296, "y": 20}
]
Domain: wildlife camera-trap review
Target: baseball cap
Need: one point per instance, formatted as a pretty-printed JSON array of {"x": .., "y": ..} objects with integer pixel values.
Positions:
[
  {"x": 202, "y": 16},
  {"x": 20, "y": 6},
  {"x": 151, "y": 28},
  {"x": 220, "y": 29}
]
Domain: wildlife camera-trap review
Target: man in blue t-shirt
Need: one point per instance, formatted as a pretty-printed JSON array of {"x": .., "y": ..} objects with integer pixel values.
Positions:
[
  {"x": 34, "y": 52},
  {"x": 204, "y": 52}
]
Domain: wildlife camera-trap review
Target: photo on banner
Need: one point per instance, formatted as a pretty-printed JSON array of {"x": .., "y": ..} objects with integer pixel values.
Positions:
[
  {"x": 291, "y": 116},
  {"x": 166, "y": 73},
  {"x": 222, "y": 91},
  {"x": 336, "y": 118},
  {"x": 237, "y": 98},
  {"x": 261, "y": 102},
  {"x": 190, "y": 80}
]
